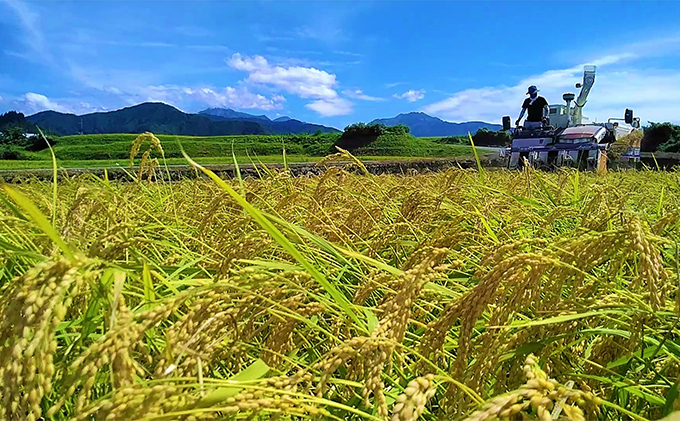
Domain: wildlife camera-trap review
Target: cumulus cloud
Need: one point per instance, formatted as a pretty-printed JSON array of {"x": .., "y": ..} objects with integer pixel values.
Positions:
[
  {"x": 652, "y": 93},
  {"x": 305, "y": 82},
  {"x": 247, "y": 64},
  {"x": 412, "y": 95},
  {"x": 239, "y": 97},
  {"x": 33, "y": 102},
  {"x": 178, "y": 96},
  {"x": 359, "y": 94},
  {"x": 331, "y": 107},
  {"x": 250, "y": 100}
]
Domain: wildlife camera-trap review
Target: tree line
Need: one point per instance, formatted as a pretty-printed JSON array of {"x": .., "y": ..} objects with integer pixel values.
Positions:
[
  {"x": 661, "y": 137},
  {"x": 358, "y": 135},
  {"x": 13, "y": 136},
  {"x": 657, "y": 137}
]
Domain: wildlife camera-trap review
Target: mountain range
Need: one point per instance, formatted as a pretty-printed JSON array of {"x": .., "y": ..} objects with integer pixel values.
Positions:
[
  {"x": 423, "y": 125},
  {"x": 229, "y": 113},
  {"x": 281, "y": 125},
  {"x": 162, "y": 118}
]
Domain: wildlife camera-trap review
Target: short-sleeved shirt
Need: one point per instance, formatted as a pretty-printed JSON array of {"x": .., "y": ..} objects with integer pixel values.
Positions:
[{"x": 535, "y": 109}]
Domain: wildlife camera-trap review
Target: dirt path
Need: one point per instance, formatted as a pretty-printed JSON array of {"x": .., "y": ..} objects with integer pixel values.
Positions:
[
  {"x": 410, "y": 166},
  {"x": 418, "y": 165}
]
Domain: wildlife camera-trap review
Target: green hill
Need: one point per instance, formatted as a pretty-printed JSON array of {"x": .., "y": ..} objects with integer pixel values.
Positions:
[
  {"x": 161, "y": 118},
  {"x": 423, "y": 125},
  {"x": 154, "y": 117}
]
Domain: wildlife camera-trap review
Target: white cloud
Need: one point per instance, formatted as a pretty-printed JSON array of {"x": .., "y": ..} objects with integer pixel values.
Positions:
[
  {"x": 392, "y": 85},
  {"x": 331, "y": 107},
  {"x": 649, "y": 47},
  {"x": 33, "y": 102},
  {"x": 176, "y": 96},
  {"x": 412, "y": 95},
  {"x": 348, "y": 53},
  {"x": 652, "y": 93},
  {"x": 239, "y": 97},
  {"x": 247, "y": 64},
  {"x": 136, "y": 87},
  {"x": 113, "y": 90},
  {"x": 359, "y": 94},
  {"x": 305, "y": 82},
  {"x": 29, "y": 20}
]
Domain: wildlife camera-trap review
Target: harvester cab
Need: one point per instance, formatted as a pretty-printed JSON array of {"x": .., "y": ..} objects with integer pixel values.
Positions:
[{"x": 568, "y": 139}]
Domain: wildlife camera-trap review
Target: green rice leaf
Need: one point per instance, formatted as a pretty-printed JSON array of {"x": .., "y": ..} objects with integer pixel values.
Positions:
[
  {"x": 278, "y": 236},
  {"x": 253, "y": 372},
  {"x": 39, "y": 219}
]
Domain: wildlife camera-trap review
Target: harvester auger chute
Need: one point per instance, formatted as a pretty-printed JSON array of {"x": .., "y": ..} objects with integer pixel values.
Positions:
[{"x": 567, "y": 140}]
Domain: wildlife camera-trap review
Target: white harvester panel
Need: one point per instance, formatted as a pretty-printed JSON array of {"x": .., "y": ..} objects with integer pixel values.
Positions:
[
  {"x": 582, "y": 134},
  {"x": 558, "y": 115},
  {"x": 566, "y": 139}
]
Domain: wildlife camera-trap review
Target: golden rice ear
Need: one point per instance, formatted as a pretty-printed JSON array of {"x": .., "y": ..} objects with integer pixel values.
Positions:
[
  {"x": 410, "y": 405},
  {"x": 154, "y": 144},
  {"x": 134, "y": 148},
  {"x": 343, "y": 155},
  {"x": 31, "y": 311},
  {"x": 448, "y": 295}
]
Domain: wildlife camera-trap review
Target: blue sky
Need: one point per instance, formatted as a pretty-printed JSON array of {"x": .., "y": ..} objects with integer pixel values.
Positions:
[{"x": 339, "y": 62}]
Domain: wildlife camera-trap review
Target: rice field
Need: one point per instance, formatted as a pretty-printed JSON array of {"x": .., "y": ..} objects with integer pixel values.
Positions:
[{"x": 457, "y": 295}]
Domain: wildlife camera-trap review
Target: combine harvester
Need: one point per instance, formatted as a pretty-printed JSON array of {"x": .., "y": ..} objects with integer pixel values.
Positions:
[{"x": 567, "y": 141}]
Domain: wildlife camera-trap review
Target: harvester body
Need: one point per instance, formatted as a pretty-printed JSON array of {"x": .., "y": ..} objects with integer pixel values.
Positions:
[{"x": 569, "y": 139}]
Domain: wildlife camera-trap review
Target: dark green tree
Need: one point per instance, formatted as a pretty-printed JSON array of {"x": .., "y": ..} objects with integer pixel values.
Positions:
[
  {"x": 664, "y": 137},
  {"x": 12, "y": 118},
  {"x": 13, "y": 135},
  {"x": 486, "y": 137},
  {"x": 360, "y": 134}
]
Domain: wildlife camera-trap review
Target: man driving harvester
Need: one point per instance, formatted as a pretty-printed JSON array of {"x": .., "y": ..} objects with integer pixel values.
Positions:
[{"x": 538, "y": 110}]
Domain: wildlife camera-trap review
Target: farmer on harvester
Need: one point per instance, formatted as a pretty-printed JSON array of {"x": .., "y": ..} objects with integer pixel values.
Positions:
[{"x": 538, "y": 110}]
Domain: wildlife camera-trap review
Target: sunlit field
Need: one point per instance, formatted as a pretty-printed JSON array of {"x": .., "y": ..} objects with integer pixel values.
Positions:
[{"x": 461, "y": 294}]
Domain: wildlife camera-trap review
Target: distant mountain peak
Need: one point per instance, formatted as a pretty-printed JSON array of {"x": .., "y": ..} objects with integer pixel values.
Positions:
[
  {"x": 162, "y": 118},
  {"x": 229, "y": 113},
  {"x": 425, "y": 125},
  {"x": 282, "y": 118}
]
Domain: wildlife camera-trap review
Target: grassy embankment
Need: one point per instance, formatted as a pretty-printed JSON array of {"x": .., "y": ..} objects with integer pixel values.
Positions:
[{"x": 112, "y": 150}]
